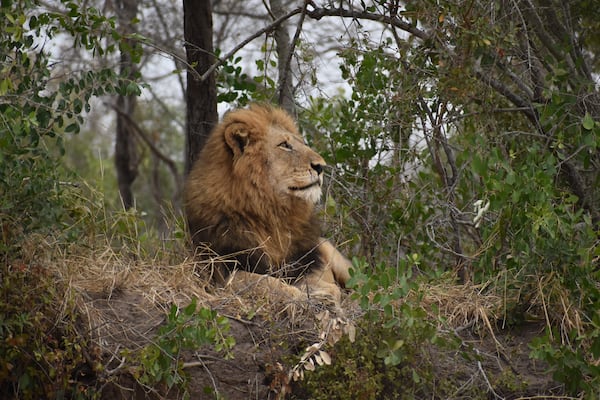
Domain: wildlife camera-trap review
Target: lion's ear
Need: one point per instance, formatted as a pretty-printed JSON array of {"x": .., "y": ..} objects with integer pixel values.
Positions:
[{"x": 236, "y": 137}]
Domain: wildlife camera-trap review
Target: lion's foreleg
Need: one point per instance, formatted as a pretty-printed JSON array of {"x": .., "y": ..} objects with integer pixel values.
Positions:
[
  {"x": 336, "y": 262},
  {"x": 320, "y": 284},
  {"x": 268, "y": 286}
]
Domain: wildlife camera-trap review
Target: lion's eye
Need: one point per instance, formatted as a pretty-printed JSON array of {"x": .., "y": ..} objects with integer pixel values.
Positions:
[{"x": 285, "y": 145}]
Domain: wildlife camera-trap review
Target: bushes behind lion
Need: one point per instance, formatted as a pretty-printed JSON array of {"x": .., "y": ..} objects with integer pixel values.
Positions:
[{"x": 409, "y": 188}]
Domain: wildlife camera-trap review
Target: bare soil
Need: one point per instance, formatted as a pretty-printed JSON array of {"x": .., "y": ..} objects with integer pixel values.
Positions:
[{"x": 500, "y": 366}]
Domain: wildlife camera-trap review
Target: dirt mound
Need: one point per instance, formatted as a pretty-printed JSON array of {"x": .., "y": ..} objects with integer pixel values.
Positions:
[{"x": 125, "y": 304}]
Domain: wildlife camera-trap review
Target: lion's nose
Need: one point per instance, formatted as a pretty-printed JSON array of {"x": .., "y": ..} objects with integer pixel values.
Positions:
[{"x": 317, "y": 167}]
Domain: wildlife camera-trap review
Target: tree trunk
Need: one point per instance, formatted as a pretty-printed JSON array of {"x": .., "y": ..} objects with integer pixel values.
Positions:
[
  {"x": 285, "y": 86},
  {"x": 126, "y": 158},
  {"x": 201, "y": 95}
]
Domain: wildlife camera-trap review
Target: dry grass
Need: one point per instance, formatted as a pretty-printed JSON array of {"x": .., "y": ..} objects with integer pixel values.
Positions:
[
  {"x": 461, "y": 306},
  {"x": 108, "y": 285},
  {"x": 488, "y": 305},
  {"x": 106, "y": 274}
]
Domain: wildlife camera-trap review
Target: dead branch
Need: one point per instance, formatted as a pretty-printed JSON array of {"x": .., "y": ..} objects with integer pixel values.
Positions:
[{"x": 395, "y": 21}]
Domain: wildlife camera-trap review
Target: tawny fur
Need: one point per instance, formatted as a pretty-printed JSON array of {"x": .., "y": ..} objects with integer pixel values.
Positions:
[{"x": 251, "y": 194}]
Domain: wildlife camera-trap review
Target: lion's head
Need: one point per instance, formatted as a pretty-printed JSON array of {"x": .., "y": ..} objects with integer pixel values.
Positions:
[
  {"x": 266, "y": 149},
  {"x": 254, "y": 186}
]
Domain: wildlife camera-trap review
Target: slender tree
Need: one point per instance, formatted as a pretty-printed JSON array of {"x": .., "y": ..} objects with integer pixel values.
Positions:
[
  {"x": 126, "y": 157},
  {"x": 201, "y": 94},
  {"x": 284, "y": 52}
]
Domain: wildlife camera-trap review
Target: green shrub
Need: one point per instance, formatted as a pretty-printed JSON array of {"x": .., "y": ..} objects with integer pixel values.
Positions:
[
  {"x": 357, "y": 371},
  {"x": 390, "y": 357},
  {"x": 38, "y": 110}
]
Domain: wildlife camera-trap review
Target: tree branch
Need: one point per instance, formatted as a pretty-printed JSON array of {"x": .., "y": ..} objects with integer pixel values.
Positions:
[
  {"x": 140, "y": 132},
  {"x": 317, "y": 14},
  {"x": 514, "y": 98},
  {"x": 321, "y": 12},
  {"x": 287, "y": 74},
  {"x": 284, "y": 53},
  {"x": 178, "y": 60},
  {"x": 250, "y": 38},
  {"x": 545, "y": 38},
  {"x": 575, "y": 39}
]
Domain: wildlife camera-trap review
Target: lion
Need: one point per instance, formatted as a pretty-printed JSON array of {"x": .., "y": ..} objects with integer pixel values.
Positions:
[{"x": 251, "y": 196}]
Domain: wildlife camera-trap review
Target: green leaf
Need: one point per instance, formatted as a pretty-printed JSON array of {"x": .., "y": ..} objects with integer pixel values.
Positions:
[
  {"x": 72, "y": 128},
  {"x": 4, "y": 85},
  {"x": 133, "y": 89},
  {"x": 479, "y": 165},
  {"x": 587, "y": 122},
  {"x": 190, "y": 309}
]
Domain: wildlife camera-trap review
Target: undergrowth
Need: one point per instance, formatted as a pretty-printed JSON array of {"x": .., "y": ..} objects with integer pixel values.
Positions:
[
  {"x": 42, "y": 353},
  {"x": 389, "y": 358},
  {"x": 360, "y": 372}
]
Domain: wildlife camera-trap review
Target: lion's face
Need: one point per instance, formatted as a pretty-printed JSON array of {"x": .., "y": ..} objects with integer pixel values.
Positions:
[{"x": 295, "y": 169}]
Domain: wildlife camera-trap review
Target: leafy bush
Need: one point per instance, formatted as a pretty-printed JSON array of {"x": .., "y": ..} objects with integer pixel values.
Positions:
[
  {"x": 38, "y": 110},
  {"x": 41, "y": 354},
  {"x": 543, "y": 237},
  {"x": 430, "y": 166},
  {"x": 390, "y": 357},
  {"x": 573, "y": 363},
  {"x": 185, "y": 329},
  {"x": 358, "y": 372}
]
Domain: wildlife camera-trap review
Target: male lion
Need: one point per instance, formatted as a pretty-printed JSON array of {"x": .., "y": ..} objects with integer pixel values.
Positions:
[{"x": 251, "y": 196}]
